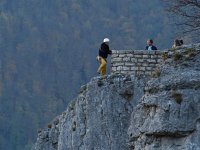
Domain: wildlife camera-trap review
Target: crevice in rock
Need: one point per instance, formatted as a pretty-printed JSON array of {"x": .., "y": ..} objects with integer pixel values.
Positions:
[
  {"x": 191, "y": 85},
  {"x": 176, "y": 134}
]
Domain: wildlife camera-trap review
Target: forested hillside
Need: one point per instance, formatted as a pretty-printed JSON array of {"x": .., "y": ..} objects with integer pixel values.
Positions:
[{"x": 48, "y": 49}]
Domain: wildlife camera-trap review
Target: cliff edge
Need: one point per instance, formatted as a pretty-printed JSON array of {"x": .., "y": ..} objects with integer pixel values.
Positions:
[
  {"x": 127, "y": 112},
  {"x": 98, "y": 119}
]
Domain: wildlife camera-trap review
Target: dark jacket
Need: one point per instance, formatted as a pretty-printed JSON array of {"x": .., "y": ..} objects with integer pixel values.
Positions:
[
  {"x": 153, "y": 48},
  {"x": 104, "y": 50}
]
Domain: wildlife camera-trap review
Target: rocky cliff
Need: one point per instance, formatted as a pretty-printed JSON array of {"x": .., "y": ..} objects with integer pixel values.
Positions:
[
  {"x": 126, "y": 112},
  {"x": 168, "y": 115},
  {"x": 98, "y": 119}
]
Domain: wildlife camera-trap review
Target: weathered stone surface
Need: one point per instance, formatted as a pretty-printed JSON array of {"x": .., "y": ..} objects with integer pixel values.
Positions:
[
  {"x": 168, "y": 115},
  {"x": 98, "y": 119}
]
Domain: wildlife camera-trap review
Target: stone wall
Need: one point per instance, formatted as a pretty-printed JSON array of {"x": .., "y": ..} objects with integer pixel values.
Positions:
[{"x": 139, "y": 62}]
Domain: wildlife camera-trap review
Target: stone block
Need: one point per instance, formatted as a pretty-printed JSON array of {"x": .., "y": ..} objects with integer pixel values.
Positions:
[
  {"x": 118, "y": 64},
  {"x": 142, "y": 68},
  {"x": 122, "y": 55},
  {"x": 152, "y": 65},
  {"x": 133, "y": 60},
  {"x": 140, "y": 72},
  {"x": 126, "y": 59},
  {"x": 114, "y": 68},
  {"x": 148, "y": 73},
  {"x": 145, "y": 64},
  {"x": 119, "y": 68},
  {"x": 115, "y": 51},
  {"x": 154, "y": 56},
  {"x": 141, "y": 60},
  {"x": 130, "y": 55},
  {"x": 124, "y": 72},
  {"x": 134, "y": 68},
  {"x": 116, "y": 59},
  {"x": 125, "y": 68},
  {"x": 129, "y": 64},
  {"x": 159, "y": 60},
  {"x": 149, "y": 68},
  {"x": 138, "y": 64},
  {"x": 157, "y": 65},
  {"x": 151, "y": 60},
  {"x": 146, "y": 56},
  {"x": 116, "y": 71},
  {"x": 114, "y": 55},
  {"x": 138, "y": 56}
]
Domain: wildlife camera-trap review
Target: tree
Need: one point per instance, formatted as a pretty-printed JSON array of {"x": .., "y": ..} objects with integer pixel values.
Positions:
[{"x": 187, "y": 14}]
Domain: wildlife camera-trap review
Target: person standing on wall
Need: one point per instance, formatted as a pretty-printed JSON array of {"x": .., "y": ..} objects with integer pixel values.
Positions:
[
  {"x": 104, "y": 50},
  {"x": 150, "y": 45}
]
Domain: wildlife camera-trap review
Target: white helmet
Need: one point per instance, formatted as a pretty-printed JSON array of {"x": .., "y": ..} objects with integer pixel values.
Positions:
[{"x": 106, "y": 40}]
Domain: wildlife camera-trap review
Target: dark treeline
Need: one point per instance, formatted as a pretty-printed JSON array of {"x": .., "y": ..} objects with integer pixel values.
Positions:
[{"x": 48, "y": 49}]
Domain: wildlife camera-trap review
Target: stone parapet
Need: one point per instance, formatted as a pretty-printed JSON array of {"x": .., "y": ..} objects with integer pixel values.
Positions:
[{"x": 138, "y": 62}]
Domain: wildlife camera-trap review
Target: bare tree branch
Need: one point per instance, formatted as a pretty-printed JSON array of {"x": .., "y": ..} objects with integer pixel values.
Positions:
[{"x": 187, "y": 14}]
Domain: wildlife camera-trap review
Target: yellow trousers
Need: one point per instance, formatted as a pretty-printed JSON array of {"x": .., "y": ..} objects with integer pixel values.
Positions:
[{"x": 102, "y": 67}]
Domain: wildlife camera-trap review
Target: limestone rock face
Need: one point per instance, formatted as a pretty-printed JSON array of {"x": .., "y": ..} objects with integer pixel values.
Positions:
[
  {"x": 125, "y": 112},
  {"x": 98, "y": 119},
  {"x": 168, "y": 115}
]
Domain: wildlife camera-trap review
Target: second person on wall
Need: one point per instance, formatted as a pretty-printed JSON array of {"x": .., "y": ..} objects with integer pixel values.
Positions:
[{"x": 150, "y": 45}]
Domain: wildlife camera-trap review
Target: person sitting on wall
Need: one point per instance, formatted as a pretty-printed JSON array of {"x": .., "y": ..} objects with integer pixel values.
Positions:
[
  {"x": 177, "y": 43},
  {"x": 150, "y": 45},
  {"x": 104, "y": 50}
]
